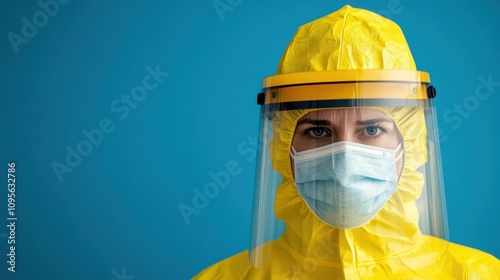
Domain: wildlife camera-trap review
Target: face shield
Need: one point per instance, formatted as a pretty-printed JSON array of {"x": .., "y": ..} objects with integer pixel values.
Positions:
[{"x": 348, "y": 170}]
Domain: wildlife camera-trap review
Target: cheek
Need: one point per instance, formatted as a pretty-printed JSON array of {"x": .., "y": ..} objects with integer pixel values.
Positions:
[{"x": 292, "y": 166}]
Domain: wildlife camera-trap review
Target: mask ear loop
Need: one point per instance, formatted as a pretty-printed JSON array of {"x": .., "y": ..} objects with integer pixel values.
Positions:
[
  {"x": 397, "y": 150},
  {"x": 294, "y": 152}
]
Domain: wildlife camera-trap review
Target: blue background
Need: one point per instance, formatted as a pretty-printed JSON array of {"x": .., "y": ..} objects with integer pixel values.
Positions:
[{"x": 116, "y": 214}]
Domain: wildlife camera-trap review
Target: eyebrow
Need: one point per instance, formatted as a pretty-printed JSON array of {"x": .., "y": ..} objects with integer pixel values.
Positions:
[
  {"x": 313, "y": 122},
  {"x": 327, "y": 122},
  {"x": 373, "y": 121}
]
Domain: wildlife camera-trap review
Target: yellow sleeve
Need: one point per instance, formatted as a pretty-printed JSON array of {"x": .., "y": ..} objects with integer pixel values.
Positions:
[
  {"x": 231, "y": 268},
  {"x": 476, "y": 264},
  {"x": 483, "y": 266}
]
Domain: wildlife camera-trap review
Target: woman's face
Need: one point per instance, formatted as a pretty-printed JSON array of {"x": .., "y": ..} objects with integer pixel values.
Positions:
[{"x": 364, "y": 126}]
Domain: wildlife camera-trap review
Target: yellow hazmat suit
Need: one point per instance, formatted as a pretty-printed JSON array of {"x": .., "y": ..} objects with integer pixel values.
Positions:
[{"x": 391, "y": 245}]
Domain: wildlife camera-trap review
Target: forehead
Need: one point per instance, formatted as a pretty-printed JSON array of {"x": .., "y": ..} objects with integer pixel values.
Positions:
[{"x": 354, "y": 114}]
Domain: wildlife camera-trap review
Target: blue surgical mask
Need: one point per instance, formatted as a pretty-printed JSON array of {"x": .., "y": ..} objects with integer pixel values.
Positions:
[{"x": 346, "y": 184}]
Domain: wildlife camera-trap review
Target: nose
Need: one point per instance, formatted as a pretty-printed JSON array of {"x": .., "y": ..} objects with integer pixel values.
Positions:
[{"x": 341, "y": 135}]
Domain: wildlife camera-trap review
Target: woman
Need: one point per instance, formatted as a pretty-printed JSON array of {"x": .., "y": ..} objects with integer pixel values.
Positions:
[{"x": 349, "y": 182}]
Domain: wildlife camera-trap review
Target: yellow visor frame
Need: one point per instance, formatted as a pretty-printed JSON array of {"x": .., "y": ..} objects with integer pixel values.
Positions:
[{"x": 346, "y": 88}]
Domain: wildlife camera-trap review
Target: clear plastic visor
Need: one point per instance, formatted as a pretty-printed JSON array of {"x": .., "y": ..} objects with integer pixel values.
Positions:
[{"x": 348, "y": 173}]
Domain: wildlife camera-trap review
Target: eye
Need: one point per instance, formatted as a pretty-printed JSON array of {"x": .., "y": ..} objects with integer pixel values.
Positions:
[
  {"x": 316, "y": 132},
  {"x": 372, "y": 130}
]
